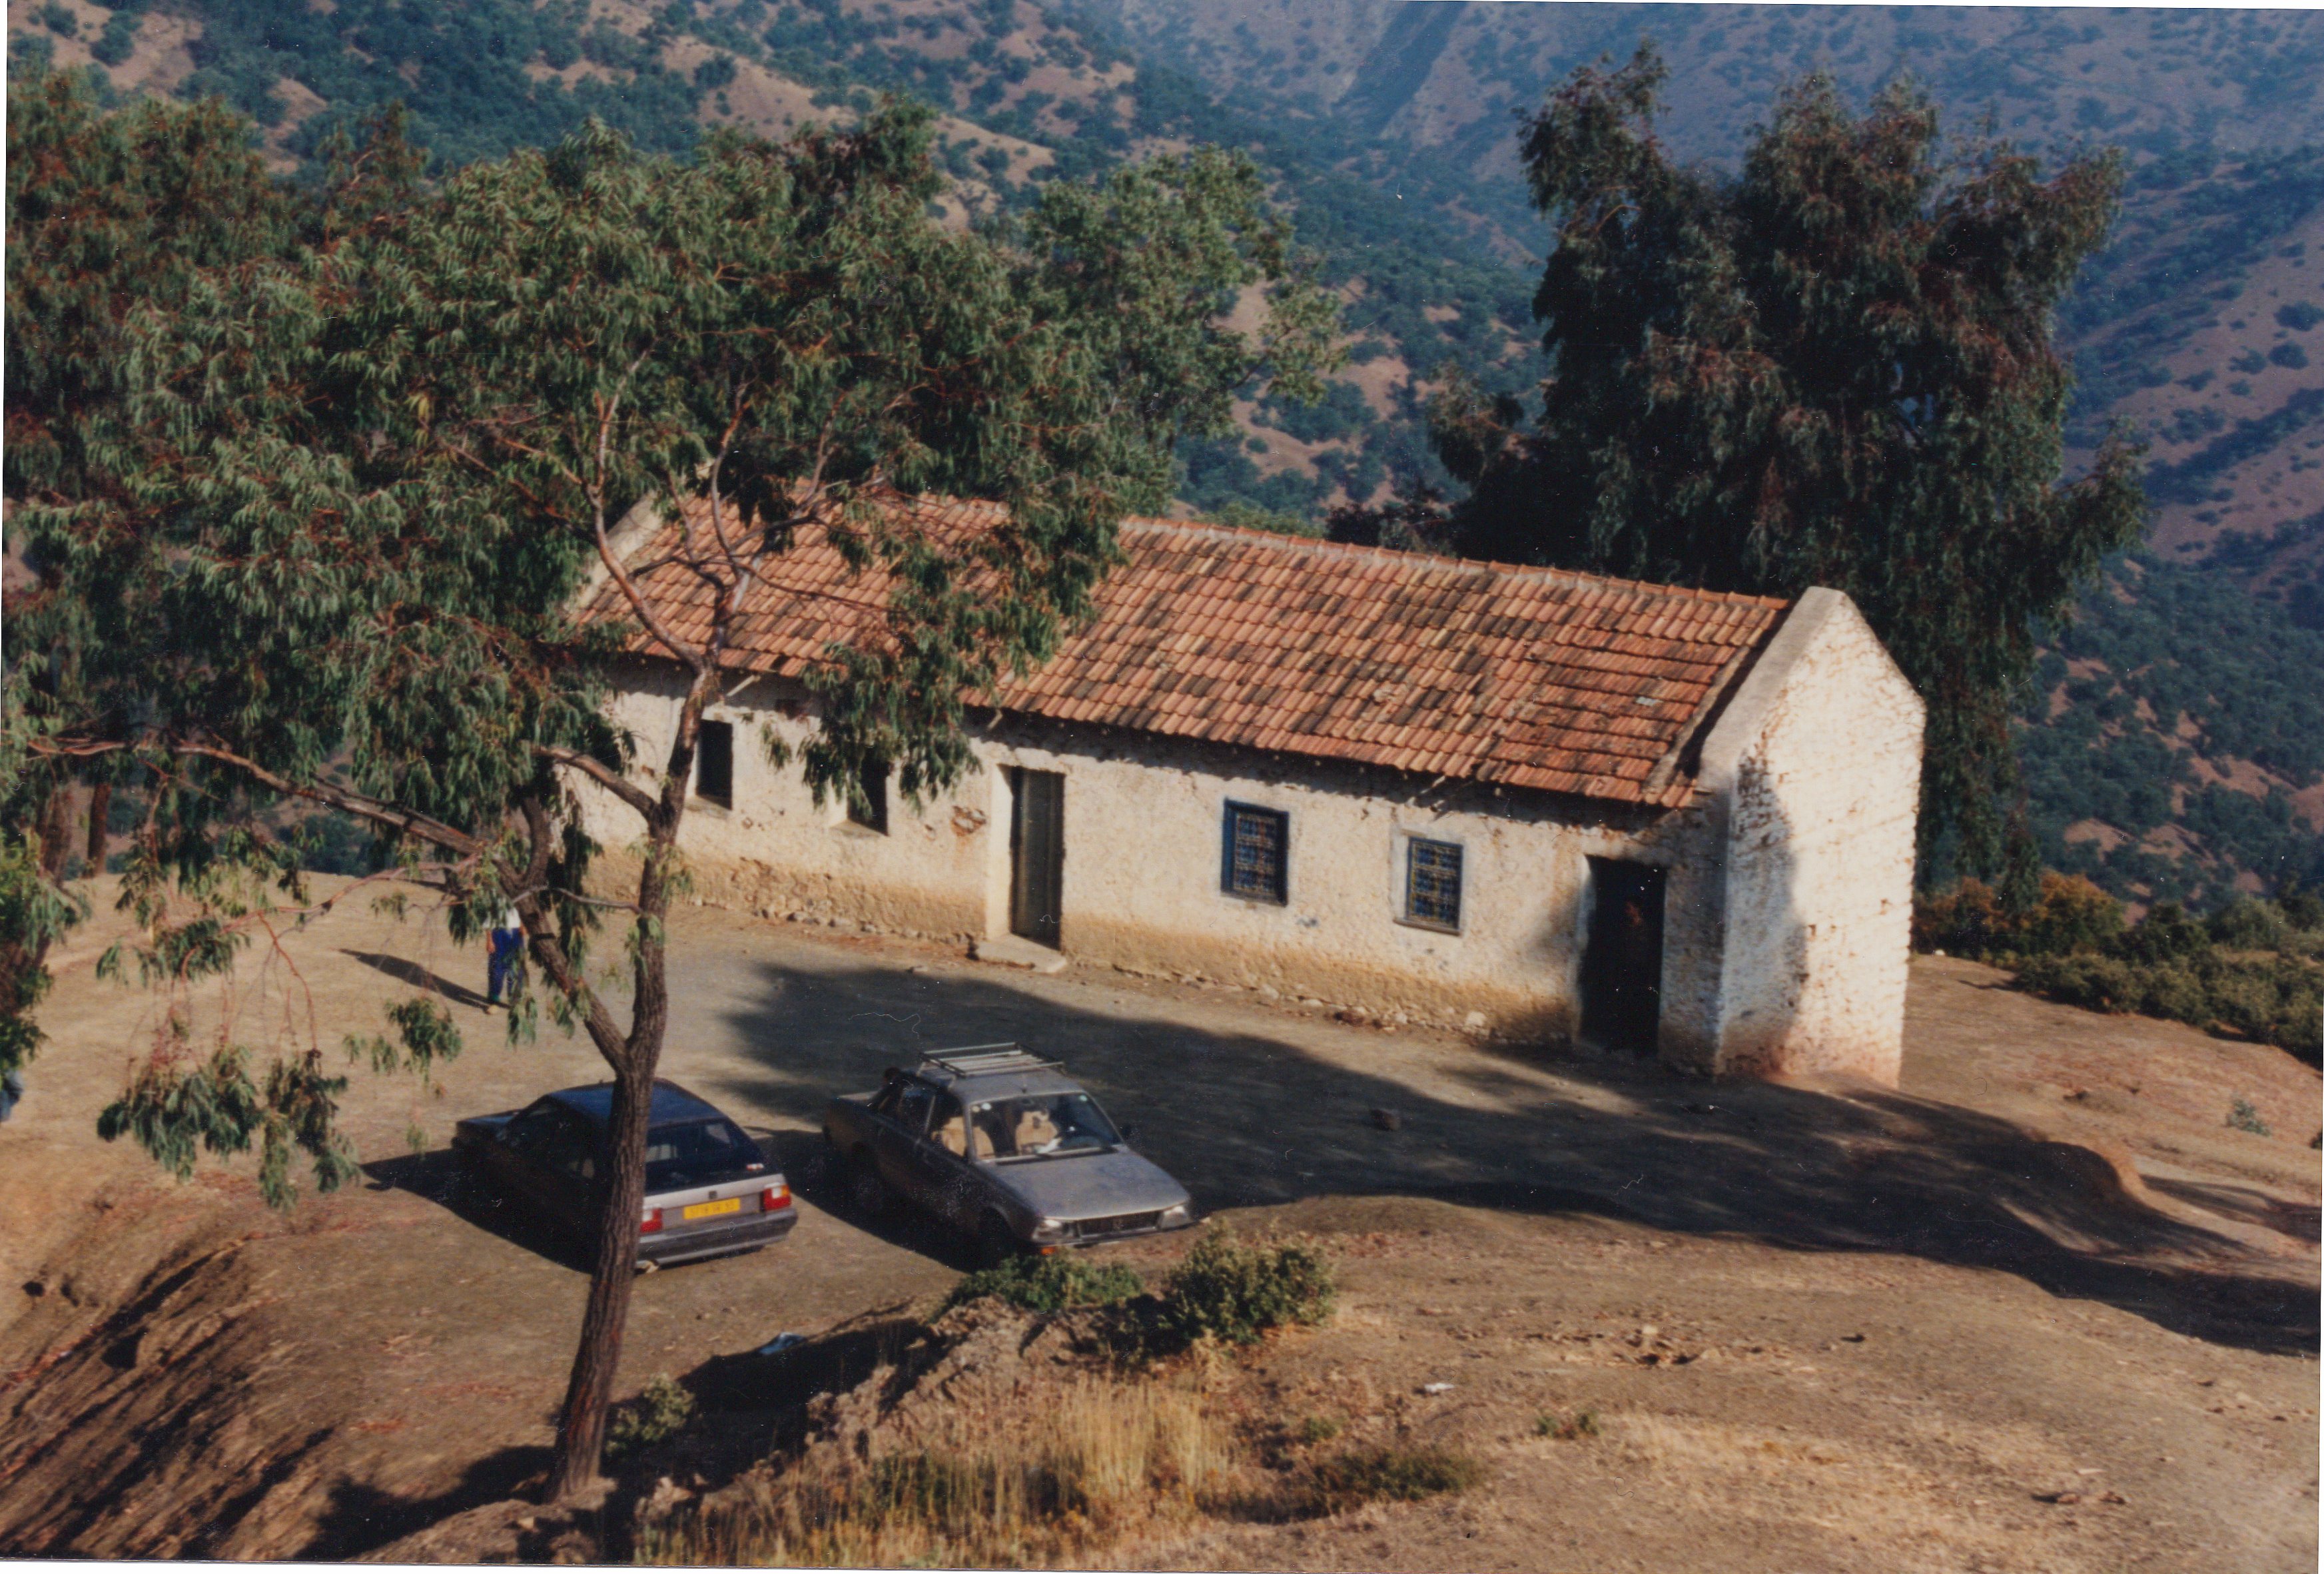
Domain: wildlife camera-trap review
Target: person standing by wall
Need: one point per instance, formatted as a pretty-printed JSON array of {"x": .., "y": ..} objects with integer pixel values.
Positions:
[{"x": 503, "y": 956}]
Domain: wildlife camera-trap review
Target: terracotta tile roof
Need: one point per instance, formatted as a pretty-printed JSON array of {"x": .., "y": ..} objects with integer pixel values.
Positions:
[{"x": 1533, "y": 678}]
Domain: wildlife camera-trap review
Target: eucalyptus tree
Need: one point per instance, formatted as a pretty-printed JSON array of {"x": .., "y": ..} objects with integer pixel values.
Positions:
[
  {"x": 105, "y": 212},
  {"x": 360, "y": 491},
  {"x": 1833, "y": 367}
]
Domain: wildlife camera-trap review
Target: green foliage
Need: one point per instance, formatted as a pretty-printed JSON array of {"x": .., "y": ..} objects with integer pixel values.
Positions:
[
  {"x": 2271, "y": 1000},
  {"x": 1050, "y": 1283},
  {"x": 172, "y": 1110},
  {"x": 1234, "y": 1292},
  {"x": 665, "y": 1409},
  {"x": 1833, "y": 369},
  {"x": 34, "y": 914},
  {"x": 425, "y": 1039},
  {"x": 2070, "y": 914},
  {"x": 1568, "y": 1428},
  {"x": 2299, "y": 316},
  {"x": 1396, "y": 1474},
  {"x": 2243, "y": 1115},
  {"x": 2219, "y": 976}
]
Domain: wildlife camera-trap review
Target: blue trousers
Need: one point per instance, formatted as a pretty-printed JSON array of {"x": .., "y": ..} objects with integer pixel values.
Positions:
[{"x": 503, "y": 955}]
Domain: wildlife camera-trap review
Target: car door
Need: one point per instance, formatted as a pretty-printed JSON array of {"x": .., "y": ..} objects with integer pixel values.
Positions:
[
  {"x": 516, "y": 1154},
  {"x": 946, "y": 1161},
  {"x": 897, "y": 1141},
  {"x": 567, "y": 1173}
]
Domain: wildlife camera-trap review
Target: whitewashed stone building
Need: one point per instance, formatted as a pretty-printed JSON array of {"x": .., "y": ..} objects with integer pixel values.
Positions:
[{"x": 1556, "y": 805}]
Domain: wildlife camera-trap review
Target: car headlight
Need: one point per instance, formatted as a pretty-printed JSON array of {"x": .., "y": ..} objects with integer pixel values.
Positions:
[
  {"x": 1049, "y": 1230},
  {"x": 1182, "y": 1213}
]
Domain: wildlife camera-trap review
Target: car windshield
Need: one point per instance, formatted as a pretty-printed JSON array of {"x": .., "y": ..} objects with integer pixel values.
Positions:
[
  {"x": 700, "y": 1153},
  {"x": 1044, "y": 1126}
]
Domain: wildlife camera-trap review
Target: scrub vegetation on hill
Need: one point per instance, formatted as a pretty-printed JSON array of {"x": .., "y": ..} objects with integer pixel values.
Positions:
[{"x": 2254, "y": 969}]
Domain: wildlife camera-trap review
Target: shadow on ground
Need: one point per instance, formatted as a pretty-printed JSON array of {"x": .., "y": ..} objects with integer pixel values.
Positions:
[
  {"x": 1248, "y": 1119},
  {"x": 404, "y": 971}
]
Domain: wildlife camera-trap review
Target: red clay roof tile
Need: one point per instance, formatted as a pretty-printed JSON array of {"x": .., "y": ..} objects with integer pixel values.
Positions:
[{"x": 1528, "y": 677}]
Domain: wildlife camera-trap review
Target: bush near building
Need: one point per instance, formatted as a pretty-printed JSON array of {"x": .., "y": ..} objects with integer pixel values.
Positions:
[{"x": 2253, "y": 968}]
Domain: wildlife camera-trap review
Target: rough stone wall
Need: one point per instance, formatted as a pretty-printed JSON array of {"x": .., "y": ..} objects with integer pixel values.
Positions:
[
  {"x": 1143, "y": 821},
  {"x": 1817, "y": 769}
]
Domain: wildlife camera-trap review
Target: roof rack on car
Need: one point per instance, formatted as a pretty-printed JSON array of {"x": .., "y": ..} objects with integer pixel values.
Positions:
[{"x": 977, "y": 1060}]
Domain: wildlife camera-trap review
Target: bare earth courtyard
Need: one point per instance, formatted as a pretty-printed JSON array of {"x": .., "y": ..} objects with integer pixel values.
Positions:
[{"x": 2040, "y": 1309}]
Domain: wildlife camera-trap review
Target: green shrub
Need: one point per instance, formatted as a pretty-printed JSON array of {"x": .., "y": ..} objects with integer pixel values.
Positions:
[
  {"x": 657, "y": 1415},
  {"x": 1227, "y": 1291},
  {"x": 1317, "y": 1429},
  {"x": 1050, "y": 1283},
  {"x": 2244, "y": 924},
  {"x": 1364, "y": 1476},
  {"x": 1582, "y": 1423},
  {"x": 1970, "y": 920},
  {"x": 2245, "y": 1116}
]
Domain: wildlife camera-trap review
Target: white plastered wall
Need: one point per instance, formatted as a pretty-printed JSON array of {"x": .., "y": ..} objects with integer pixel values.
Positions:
[
  {"x": 1812, "y": 776},
  {"x": 1142, "y": 877}
]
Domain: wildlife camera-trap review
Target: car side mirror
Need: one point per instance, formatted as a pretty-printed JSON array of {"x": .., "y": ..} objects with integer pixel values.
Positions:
[{"x": 1129, "y": 1130}]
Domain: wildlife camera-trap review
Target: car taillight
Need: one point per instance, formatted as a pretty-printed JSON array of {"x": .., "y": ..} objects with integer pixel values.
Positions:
[
  {"x": 650, "y": 1222},
  {"x": 774, "y": 1197}
]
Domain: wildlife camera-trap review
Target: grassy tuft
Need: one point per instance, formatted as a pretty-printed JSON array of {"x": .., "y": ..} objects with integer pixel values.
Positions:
[
  {"x": 1582, "y": 1423},
  {"x": 1364, "y": 1476},
  {"x": 1105, "y": 1458},
  {"x": 1050, "y": 1283}
]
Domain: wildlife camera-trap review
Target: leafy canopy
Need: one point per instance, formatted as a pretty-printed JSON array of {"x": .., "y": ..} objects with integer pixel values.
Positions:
[{"x": 1831, "y": 368}]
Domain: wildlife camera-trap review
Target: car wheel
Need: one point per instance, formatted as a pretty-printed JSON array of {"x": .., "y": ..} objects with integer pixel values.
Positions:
[
  {"x": 865, "y": 1189},
  {"x": 996, "y": 1243}
]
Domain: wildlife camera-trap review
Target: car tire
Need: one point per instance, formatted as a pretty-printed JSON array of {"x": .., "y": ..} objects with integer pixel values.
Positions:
[
  {"x": 996, "y": 1243},
  {"x": 865, "y": 1189}
]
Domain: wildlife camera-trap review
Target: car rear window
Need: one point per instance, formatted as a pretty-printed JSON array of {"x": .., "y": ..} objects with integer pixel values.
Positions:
[{"x": 699, "y": 1153}]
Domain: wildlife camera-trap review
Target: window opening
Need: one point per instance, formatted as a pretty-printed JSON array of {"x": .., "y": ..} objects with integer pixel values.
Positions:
[
  {"x": 1431, "y": 884},
  {"x": 713, "y": 764},
  {"x": 1255, "y": 853}
]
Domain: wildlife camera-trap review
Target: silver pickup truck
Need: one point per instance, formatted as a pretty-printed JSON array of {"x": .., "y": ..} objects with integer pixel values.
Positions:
[{"x": 1003, "y": 1144}]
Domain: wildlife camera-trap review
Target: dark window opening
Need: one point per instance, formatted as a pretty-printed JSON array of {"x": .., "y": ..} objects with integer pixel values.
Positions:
[
  {"x": 713, "y": 764},
  {"x": 1255, "y": 853},
  {"x": 1431, "y": 884},
  {"x": 868, "y": 805}
]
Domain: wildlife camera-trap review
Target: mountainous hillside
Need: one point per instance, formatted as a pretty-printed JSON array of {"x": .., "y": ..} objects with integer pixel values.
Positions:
[{"x": 1390, "y": 127}]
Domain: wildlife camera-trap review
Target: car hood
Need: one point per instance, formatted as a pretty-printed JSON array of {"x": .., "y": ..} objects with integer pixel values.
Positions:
[{"x": 1091, "y": 1186}]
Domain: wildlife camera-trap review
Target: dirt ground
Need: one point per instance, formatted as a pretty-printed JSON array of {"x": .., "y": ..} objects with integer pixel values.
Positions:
[{"x": 1825, "y": 1325}]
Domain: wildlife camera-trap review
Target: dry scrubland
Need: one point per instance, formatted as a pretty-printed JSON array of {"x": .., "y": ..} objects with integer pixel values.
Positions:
[{"x": 2040, "y": 1309}]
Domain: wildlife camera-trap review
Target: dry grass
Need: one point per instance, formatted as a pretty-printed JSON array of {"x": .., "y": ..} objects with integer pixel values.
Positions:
[{"x": 1102, "y": 1461}]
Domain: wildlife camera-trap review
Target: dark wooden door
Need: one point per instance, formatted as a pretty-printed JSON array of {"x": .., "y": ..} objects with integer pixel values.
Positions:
[
  {"x": 1037, "y": 851},
  {"x": 1622, "y": 963}
]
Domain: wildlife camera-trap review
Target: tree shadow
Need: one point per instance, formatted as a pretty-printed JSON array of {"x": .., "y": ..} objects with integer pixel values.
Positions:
[
  {"x": 404, "y": 971},
  {"x": 360, "y": 1518},
  {"x": 1244, "y": 1118}
]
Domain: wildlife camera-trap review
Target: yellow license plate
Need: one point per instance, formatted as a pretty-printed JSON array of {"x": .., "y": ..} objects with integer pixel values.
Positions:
[{"x": 712, "y": 1210}]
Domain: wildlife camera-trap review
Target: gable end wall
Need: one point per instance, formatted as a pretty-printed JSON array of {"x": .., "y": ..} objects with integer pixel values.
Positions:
[{"x": 1816, "y": 773}]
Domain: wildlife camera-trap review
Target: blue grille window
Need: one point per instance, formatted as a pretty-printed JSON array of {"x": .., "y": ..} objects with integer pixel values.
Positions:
[
  {"x": 1255, "y": 853},
  {"x": 1431, "y": 883}
]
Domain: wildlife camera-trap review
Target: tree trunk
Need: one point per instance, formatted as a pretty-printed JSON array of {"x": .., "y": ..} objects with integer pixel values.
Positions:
[{"x": 581, "y": 1425}]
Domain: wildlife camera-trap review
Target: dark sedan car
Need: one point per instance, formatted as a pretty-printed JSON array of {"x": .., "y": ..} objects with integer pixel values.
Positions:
[{"x": 708, "y": 1189}]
